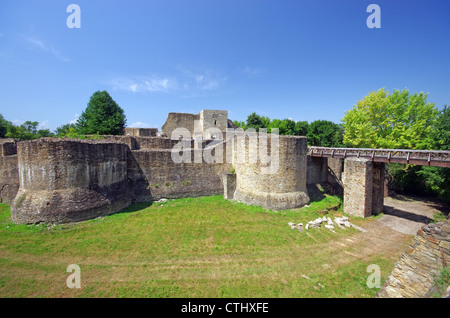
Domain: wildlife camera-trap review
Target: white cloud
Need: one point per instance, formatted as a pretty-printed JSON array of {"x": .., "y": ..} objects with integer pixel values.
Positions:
[
  {"x": 183, "y": 82},
  {"x": 74, "y": 121},
  {"x": 140, "y": 84},
  {"x": 252, "y": 72},
  {"x": 45, "y": 47},
  {"x": 17, "y": 122},
  {"x": 139, "y": 124},
  {"x": 43, "y": 125}
]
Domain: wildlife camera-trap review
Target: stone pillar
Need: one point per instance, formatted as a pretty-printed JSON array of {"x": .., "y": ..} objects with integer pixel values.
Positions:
[
  {"x": 358, "y": 184},
  {"x": 379, "y": 173},
  {"x": 363, "y": 187},
  {"x": 229, "y": 185}
]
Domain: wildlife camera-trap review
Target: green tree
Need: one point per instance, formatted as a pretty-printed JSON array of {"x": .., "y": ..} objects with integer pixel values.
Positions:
[
  {"x": 441, "y": 133},
  {"x": 240, "y": 124},
  {"x": 28, "y": 130},
  {"x": 256, "y": 121},
  {"x": 63, "y": 129},
  {"x": 3, "y": 126},
  {"x": 102, "y": 116},
  {"x": 285, "y": 126},
  {"x": 301, "y": 128},
  {"x": 324, "y": 133},
  {"x": 394, "y": 121}
]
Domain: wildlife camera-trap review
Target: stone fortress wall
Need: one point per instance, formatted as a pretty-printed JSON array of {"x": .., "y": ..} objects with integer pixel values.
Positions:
[{"x": 65, "y": 180}]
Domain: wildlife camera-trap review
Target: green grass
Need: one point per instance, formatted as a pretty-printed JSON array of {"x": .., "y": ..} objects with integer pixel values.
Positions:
[
  {"x": 190, "y": 247},
  {"x": 442, "y": 282}
]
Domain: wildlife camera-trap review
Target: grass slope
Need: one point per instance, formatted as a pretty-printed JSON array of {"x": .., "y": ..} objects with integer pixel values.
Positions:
[{"x": 194, "y": 247}]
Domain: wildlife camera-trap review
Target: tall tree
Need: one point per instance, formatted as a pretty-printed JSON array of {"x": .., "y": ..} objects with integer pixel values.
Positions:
[
  {"x": 395, "y": 121},
  {"x": 64, "y": 129},
  {"x": 102, "y": 116},
  {"x": 324, "y": 133},
  {"x": 3, "y": 126},
  {"x": 442, "y": 129},
  {"x": 301, "y": 128},
  {"x": 256, "y": 121}
]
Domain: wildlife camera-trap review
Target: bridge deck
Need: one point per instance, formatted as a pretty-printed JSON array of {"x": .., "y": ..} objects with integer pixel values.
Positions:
[{"x": 437, "y": 158}]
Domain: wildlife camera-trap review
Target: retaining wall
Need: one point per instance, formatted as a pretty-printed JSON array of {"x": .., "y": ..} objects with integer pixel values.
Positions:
[{"x": 414, "y": 274}]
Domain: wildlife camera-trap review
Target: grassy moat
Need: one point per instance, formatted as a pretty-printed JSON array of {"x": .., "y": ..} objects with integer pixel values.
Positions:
[{"x": 191, "y": 247}]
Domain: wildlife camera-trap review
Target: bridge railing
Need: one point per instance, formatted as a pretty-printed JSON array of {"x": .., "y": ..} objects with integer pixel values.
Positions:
[{"x": 438, "y": 158}]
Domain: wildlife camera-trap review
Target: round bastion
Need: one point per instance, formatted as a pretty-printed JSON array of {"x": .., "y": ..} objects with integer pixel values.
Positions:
[
  {"x": 271, "y": 170},
  {"x": 68, "y": 180}
]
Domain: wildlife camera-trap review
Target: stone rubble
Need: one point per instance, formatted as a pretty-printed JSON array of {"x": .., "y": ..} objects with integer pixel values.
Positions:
[{"x": 342, "y": 222}]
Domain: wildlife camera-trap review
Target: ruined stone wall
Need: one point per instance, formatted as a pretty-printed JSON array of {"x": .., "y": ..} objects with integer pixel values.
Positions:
[
  {"x": 334, "y": 176},
  {"x": 70, "y": 180},
  {"x": 413, "y": 275},
  {"x": 179, "y": 120},
  {"x": 317, "y": 171},
  {"x": 141, "y": 132},
  {"x": 155, "y": 143},
  {"x": 9, "y": 176},
  {"x": 284, "y": 187},
  {"x": 316, "y": 177},
  {"x": 154, "y": 175}
]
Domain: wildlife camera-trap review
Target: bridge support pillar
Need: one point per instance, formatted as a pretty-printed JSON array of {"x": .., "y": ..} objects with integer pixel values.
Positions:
[{"x": 363, "y": 187}]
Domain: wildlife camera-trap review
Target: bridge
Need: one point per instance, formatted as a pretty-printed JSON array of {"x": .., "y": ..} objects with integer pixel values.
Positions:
[
  {"x": 437, "y": 158},
  {"x": 360, "y": 174}
]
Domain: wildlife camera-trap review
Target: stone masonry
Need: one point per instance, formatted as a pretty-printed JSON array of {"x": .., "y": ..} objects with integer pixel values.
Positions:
[
  {"x": 363, "y": 187},
  {"x": 9, "y": 175},
  {"x": 284, "y": 187},
  {"x": 413, "y": 275}
]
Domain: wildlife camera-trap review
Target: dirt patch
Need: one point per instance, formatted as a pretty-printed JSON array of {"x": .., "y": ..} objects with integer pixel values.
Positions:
[
  {"x": 392, "y": 233},
  {"x": 406, "y": 214}
]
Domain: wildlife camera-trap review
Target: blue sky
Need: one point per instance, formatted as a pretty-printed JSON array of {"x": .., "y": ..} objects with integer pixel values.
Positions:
[{"x": 304, "y": 60}]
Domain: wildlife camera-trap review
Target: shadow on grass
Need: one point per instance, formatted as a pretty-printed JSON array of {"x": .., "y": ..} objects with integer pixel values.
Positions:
[{"x": 134, "y": 207}]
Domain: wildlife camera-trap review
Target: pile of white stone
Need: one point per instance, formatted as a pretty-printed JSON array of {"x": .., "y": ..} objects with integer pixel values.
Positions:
[{"x": 341, "y": 222}]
